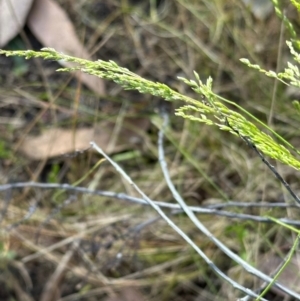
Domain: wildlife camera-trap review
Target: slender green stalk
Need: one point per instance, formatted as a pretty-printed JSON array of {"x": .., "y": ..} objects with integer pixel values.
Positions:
[{"x": 287, "y": 261}]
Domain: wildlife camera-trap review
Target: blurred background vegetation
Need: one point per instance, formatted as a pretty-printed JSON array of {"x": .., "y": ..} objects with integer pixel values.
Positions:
[{"x": 118, "y": 250}]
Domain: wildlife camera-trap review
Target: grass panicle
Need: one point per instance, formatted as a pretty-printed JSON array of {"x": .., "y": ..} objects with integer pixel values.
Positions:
[{"x": 209, "y": 111}]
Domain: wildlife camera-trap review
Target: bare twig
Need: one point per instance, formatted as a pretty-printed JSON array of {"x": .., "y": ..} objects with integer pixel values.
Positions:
[
  {"x": 175, "y": 227},
  {"x": 209, "y": 209},
  {"x": 31, "y": 210},
  {"x": 204, "y": 230}
]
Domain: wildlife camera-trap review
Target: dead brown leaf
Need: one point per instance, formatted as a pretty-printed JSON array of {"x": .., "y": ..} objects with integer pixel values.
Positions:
[
  {"x": 56, "y": 142},
  {"x": 13, "y": 14},
  {"x": 53, "y": 28}
]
